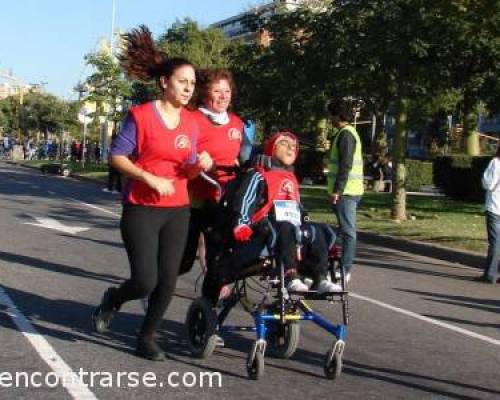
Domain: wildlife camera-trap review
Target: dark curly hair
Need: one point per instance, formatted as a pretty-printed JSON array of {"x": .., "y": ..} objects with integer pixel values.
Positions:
[{"x": 207, "y": 77}]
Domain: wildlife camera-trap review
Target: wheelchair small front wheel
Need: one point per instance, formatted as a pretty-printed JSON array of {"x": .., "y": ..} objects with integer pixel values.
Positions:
[
  {"x": 333, "y": 364},
  {"x": 255, "y": 365},
  {"x": 283, "y": 339},
  {"x": 201, "y": 323}
]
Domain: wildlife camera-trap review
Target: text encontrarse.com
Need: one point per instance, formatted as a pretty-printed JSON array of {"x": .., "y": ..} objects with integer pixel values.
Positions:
[{"x": 114, "y": 379}]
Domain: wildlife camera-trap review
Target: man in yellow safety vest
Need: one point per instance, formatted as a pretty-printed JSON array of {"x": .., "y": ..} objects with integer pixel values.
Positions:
[{"x": 345, "y": 179}]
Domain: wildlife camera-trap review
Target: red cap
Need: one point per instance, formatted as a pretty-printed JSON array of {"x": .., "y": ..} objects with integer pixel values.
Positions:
[{"x": 271, "y": 142}]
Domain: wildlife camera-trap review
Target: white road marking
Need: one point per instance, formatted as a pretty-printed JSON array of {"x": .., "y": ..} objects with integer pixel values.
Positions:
[
  {"x": 51, "y": 223},
  {"x": 94, "y": 207},
  {"x": 427, "y": 319},
  {"x": 77, "y": 389}
]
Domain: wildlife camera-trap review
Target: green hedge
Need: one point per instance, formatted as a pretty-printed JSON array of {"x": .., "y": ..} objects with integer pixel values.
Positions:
[
  {"x": 419, "y": 173},
  {"x": 459, "y": 176}
]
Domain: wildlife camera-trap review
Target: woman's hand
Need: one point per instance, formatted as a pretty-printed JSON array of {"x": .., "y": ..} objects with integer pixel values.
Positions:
[
  {"x": 205, "y": 161},
  {"x": 163, "y": 186}
]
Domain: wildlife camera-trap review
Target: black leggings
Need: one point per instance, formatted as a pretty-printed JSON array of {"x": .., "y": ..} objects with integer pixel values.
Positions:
[{"x": 154, "y": 238}]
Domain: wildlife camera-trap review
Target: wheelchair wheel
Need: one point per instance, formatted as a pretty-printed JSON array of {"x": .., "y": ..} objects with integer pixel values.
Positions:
[
  {"x": 201, "y": 323},
  {"x": 284, "y": 339},
  {"x": 333, "y": 364},
  {"x": 255, "y": 366}
]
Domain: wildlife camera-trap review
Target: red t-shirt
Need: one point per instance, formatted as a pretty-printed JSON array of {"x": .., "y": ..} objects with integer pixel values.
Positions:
[
  {"x": 163, "y": 152},
  {"x": 223, "y": 143}
]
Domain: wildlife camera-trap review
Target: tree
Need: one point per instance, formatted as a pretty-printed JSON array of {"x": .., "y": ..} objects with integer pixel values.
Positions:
[
  {"x": 40, "y": 112},
  {"x": 475, "y": 45},
  {"x": 205, "y": 48},
  {"x": 395, "y": 52},
  {"x": 109, "y": 88}
]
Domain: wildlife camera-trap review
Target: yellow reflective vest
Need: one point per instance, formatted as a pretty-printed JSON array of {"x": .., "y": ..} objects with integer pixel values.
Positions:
[{"x": 354, "y": 185}]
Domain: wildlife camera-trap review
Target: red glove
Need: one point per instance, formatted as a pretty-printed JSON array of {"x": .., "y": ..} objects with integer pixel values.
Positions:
[{"x": 242, "y": 233}]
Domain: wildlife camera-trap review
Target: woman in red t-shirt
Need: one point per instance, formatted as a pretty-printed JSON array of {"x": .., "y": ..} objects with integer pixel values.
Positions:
[
  {"x": 220, "y": 135},
  {"x": 160, "y": 138}
]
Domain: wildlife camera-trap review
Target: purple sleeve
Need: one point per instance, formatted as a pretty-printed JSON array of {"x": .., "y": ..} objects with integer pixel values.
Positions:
[{"x": 126, "y": 141}]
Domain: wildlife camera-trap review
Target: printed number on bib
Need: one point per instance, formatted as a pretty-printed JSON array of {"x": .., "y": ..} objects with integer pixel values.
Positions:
[{"x": 287, "y": 210}]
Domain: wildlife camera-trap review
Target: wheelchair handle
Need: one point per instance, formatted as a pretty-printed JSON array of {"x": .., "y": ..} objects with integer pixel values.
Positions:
[{"x": 212, "y": 181}]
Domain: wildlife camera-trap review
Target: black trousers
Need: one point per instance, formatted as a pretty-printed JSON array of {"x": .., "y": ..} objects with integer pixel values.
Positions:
[
  {"x": 114, "y": 179},
  {"x": 154, "y": 238}
]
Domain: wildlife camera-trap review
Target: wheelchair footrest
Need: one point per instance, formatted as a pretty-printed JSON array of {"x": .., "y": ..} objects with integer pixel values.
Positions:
[{"x": 315, "y": 295}]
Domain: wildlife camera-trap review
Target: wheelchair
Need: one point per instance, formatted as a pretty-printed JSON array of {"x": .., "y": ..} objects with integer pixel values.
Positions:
[{"x": 276, "y": 312}]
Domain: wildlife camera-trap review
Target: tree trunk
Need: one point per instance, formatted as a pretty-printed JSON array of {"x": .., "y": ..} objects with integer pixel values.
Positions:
[
  {"x": 321, "y": 139},
  {"x": 398, "y": 211},
  {"x": 472, "y": 144},
  {"x": 469, "y": 124}
]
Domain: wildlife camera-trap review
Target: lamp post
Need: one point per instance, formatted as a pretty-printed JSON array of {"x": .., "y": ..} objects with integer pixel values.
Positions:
[
  {"x": 83, "y": 117},
  {"x": 113, "y": 13}
]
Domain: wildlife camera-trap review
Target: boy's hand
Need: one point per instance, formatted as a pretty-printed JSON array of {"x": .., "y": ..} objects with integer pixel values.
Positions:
[{"x": 242, "y": 233}]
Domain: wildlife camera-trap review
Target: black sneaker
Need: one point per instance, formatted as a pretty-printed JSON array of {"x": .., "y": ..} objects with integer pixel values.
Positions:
[
  {"x": 483, "y": 278},
  {"x": 149, "y": 350},
  {"x": 104, "y": 313}
]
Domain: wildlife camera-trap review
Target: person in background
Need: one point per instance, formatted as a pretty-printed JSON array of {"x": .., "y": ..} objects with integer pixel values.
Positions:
[
  {"x": 345, "y": 179},
  {"x": 156, "y": 151},
  {"x": 114, "y": 184},
  {"x": 491, "y": 183}
]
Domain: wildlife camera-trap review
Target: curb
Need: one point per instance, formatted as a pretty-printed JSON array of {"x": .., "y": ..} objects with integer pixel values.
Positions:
[
  {"x": 73, "y": 176},
  {"x": 469, "y": 258}
]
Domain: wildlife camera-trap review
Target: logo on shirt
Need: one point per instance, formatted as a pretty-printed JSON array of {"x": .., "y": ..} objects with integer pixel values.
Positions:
[
  {"x": 182, "y": 142},
  {"x": 234, "y": 134},
  {"x": 287, "y": 187}
]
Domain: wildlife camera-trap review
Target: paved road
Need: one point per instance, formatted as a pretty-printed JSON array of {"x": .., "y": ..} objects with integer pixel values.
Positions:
[{"x": 420, "y": 327}]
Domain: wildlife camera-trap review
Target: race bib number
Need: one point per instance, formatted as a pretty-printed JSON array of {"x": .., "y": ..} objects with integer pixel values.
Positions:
[{"x": 287, "y": 210}]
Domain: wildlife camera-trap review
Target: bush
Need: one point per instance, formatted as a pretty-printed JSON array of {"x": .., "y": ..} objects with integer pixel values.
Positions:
[
  {"x": 419, "y": 173},
  {"x": 459, "y": 176}
]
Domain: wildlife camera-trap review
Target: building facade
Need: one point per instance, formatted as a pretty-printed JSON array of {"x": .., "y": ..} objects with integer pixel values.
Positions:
[{"x": 242, "y": 26}]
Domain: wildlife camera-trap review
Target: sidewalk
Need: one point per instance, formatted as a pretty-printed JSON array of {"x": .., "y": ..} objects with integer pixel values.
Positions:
[{"x": 469, "y": 258}]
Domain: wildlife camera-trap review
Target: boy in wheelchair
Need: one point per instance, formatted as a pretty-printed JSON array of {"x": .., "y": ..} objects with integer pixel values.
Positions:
[{"x": 265, "y": 218}]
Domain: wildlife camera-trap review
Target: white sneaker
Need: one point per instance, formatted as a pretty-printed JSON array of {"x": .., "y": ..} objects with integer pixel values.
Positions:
[
  {"x": 296, "y": 285},
  {"x": 106, "y": 190},
  {"x": 308, "y": 282},
  {"x": 219, "y": 342},
  {"x": 326, "y": 286}
]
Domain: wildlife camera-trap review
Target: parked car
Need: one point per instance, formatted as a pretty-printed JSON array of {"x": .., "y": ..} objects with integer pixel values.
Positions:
[{"x": 56, "y": 168}]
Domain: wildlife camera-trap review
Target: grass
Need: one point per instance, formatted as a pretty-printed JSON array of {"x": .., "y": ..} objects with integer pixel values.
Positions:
[{"x": 434, "y": 220}]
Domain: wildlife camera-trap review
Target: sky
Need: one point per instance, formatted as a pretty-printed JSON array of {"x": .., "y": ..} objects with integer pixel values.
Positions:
[{"x": 46, "y": 40}]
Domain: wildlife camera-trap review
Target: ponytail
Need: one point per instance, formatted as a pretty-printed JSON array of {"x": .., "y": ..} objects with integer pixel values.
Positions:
[{"x": 142, "y": 60}]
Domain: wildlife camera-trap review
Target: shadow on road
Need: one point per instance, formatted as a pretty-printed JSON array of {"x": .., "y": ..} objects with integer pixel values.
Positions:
[{"x": 59, "y": 268}]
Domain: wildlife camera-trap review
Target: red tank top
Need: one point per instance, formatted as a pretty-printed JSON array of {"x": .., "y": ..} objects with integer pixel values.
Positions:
[
  {"x": 281, "y": 185},
  {"x": 162, "y": 152},
  {"x": 223, "y": 143}
]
